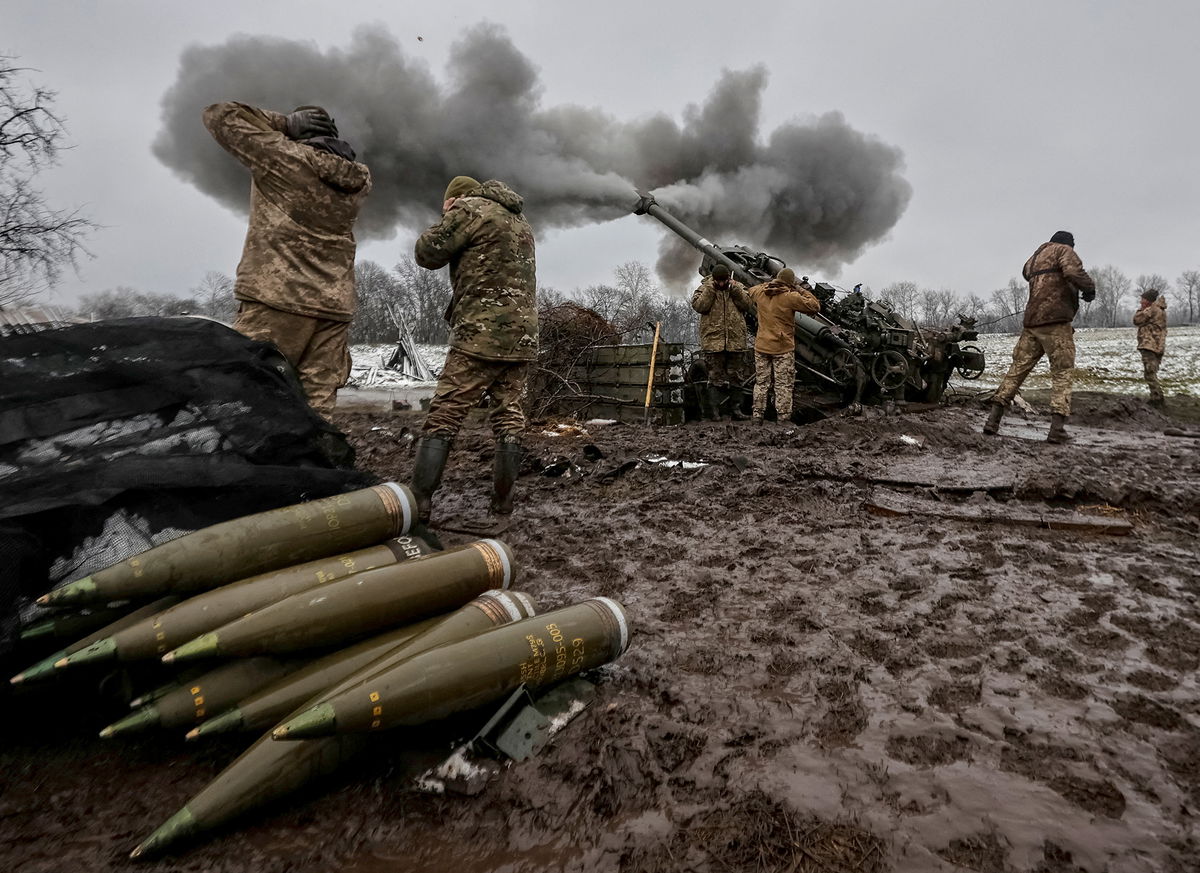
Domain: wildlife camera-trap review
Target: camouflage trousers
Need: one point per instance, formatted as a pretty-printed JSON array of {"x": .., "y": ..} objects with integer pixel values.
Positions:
[
  {"x": 1056, "y": 342},
  {"x": 463, "y": 383},
  {"x": 1150, "y": 362},
  {"x": 316, "y": 347},
  {"x": 724, "y": 368},
  {"x": 774, "y": 374}
]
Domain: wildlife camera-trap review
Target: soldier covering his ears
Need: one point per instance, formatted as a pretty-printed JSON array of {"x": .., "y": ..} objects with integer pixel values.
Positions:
[{"x": 489, "y": 247}]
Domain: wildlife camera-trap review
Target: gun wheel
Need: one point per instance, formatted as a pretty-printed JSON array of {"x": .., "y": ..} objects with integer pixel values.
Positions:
[
  {"x": 889, "y": 370},
  {"x": 842, "y": 367},
  {"x": 970, "y": 372}
]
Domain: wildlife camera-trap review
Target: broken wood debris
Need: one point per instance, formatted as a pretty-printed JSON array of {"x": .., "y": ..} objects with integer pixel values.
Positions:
[{"x": 893, "y": 503}]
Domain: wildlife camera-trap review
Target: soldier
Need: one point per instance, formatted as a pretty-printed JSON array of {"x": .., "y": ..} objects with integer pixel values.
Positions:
[
  {"x": 295, "y": 282},
  {"x": 722, "y": 304},
  {"x": 493, "y": 329},
  {"x": 777, "y": 303},
  {"x": 1056, "y": 280},
  {"x": 1151, "y": 321}
]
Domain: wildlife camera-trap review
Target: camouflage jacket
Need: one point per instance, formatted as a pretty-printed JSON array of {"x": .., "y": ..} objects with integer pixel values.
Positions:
[
  {"x": 489, "y": 247},
  {"x": 299, "y": 251},
  {"x": 722, "y": 323},
  {"x": 1151, "y": 323},
  {"x": 1055, "y": 276},
  {"x": 777, "y": 304}
]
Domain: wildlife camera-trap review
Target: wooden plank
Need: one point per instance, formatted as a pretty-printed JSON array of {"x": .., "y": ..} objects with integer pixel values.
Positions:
[{"x": 896, "y": 504}]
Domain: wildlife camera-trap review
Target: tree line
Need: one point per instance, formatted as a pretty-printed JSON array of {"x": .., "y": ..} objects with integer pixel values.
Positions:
[
  {"x": 633, "y": 302},
  {"x": 1002, "y": 310}
]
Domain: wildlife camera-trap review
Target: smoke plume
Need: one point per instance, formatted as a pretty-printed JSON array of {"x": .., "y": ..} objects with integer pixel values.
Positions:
[{"x": 815, "y": 193}]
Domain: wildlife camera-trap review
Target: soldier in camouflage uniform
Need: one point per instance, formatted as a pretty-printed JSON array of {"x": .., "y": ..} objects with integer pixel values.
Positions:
[
  {"x": 1151, "y": 321},
  {"x": 295, "y": 282},
  {"x": 1056, "y": 279},
  {"x": 722, "y": 304},
  {"x": 493, "y": 329},
  {"x": 777, "y": 303}
]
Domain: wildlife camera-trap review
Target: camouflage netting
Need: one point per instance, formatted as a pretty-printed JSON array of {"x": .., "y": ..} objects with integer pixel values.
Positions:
[
  {"x": 567, "y": 332},
  {"x": 121, "y": 434}
]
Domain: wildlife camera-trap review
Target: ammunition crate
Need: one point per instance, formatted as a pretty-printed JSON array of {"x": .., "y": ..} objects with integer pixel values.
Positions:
[{"x": 619, "y": 375}]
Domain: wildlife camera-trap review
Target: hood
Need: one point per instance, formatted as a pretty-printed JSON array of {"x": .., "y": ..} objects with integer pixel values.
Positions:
[
  {"x": 775, "y": 287},
  {"x": 498, "y": 192},
  {"x": 348, "y": 176}
]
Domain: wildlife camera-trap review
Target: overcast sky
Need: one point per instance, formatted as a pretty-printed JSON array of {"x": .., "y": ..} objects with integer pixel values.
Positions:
[{"x": 1015, "y": 119}]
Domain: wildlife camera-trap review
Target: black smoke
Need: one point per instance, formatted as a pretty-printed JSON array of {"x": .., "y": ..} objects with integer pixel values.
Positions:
[{"x": 815, "y": 193}]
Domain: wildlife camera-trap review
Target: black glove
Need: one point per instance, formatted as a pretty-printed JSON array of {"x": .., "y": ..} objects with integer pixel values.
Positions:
[
  {"x": 1088, "y": 295},
  {"x": 307, "y": 122}
]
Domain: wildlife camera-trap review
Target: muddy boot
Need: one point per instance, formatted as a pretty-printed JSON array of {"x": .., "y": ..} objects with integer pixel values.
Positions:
[
  {"x": 737, "y": 397},
  {"x": 715, "y": 396},
  {"x": 432, "y": 452},
  {"x": 992, "y": 427},
  {"x": 505, "y": 466},
  {"x": 1058, "y": 429}
]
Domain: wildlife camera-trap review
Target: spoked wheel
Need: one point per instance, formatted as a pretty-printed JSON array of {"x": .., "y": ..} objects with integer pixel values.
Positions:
[
  {"x": 970, "y": 372},
  {"x": 889, "y": 370},
  {"x": 842, "y": 367}
]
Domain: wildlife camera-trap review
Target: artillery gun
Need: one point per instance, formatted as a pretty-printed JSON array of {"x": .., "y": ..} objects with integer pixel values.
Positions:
[{"x": 858, "y": 347}]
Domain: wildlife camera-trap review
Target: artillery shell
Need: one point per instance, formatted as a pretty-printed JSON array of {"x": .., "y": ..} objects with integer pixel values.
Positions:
[
  {"x": 361, "y": 604},
  {"x": 214, "y": 692},
  {"x": 211, "y": 609},
  {"x": 268, "y": 706},
  {"x": 73, "y": 625},
  {"x": 268, "y": 770},
  {"x": 250, "y": 545},
  {"x": 45, "y": 667},
  {"x": 461, "y": 676}
]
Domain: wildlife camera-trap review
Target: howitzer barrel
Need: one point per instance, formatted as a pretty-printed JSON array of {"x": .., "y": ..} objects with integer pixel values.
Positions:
[
  {"x": 648, "y": 206},
  {"x": 819, "y": 331}
]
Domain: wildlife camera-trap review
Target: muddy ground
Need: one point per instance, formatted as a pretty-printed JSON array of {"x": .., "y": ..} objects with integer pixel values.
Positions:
[{"x": 811, "y": 686}]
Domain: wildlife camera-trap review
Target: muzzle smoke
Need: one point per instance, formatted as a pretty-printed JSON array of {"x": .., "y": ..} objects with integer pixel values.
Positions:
[{"x": 816, "y": 193}]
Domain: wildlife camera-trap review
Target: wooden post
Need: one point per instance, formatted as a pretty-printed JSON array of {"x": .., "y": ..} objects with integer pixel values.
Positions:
[{"x": 650, "y": 378}]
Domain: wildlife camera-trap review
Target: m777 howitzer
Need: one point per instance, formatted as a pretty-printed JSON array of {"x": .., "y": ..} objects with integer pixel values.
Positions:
[{"x": 855, "y": 346}]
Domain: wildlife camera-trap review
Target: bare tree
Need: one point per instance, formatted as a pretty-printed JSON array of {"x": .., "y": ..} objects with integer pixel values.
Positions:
[
  {"x": 214, "y": 297},
  {"x": 36, "y": 241},
  {"x": 1112, "y": 286},
  {"x": 1145, "y": 282},
  {"x": 1188, "y": 284},
  {"x": 1007, "y": 309},
  {"x": 126, "y": 302},
  {"x": 902, "y": 296},
  {"x": 376, "y": 289},
  {"x": 425, "y": 295},
  {"x": 936, "y": 307}
]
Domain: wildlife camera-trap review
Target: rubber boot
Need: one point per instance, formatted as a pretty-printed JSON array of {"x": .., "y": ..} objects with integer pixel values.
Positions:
[
  {"x": 715, "y": 396},
  {"x": 432, "y": 452},
  {"x": 736, "y": 398},
  {"x": 505, "y": 466},
  {"x": 992, "y": 427},
  {"x": 1058, "y": 429}
]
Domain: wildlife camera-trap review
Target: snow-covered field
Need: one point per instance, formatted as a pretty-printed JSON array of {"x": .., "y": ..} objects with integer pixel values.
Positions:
[{"x": 1106, "y": 359}]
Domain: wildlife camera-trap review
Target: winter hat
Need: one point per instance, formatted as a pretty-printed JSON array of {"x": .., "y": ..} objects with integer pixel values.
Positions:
[
  {"x": 1065, "y": 237},
  {"x": 459, "y": 186},
  {"x": 720, "y": 273}
]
